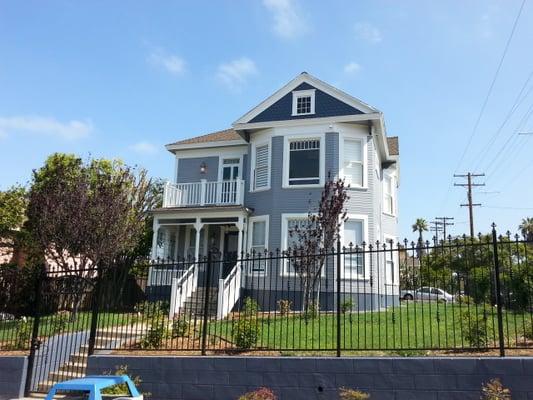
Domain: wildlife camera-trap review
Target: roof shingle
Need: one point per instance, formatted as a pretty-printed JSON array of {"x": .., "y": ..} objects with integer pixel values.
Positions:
[{"x": 219, "y": 136}]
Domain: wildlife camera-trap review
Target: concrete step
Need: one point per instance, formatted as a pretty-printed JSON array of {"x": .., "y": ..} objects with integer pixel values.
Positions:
[
  {"x": 45, "y": 386},
  {"x": 65, "y": 375},
  {"x": 74, "y": 366}
]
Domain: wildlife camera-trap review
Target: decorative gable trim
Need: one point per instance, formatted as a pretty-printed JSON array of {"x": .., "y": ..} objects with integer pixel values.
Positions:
[{"x": 305, "y": 78}]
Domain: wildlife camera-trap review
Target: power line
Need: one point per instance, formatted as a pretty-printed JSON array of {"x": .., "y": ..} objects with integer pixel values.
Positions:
[
  {"x": 444, "y": 222},
  {"x": 469, "y": 185},
  {"x": 491, "y": 87},
  {"x": 436, "y": 227}
]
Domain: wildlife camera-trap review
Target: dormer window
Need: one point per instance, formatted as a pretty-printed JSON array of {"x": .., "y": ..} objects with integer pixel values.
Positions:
[{"x": 303, "y": 102}]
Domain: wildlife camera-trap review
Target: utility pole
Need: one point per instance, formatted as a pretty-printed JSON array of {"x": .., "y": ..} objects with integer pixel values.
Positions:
[
  {"x": 445, "y": 223},
  {"x": 469, "y": 185},
  {"x": 437, "y": 227}
]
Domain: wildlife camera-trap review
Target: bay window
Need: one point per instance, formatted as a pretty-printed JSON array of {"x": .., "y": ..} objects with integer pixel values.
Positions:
[
  {"x": 353, "y": 167},
  {"x": 304, "y": 162},
  {"x": 258, "y": 240},
  {"x": 353, "y": 238}
]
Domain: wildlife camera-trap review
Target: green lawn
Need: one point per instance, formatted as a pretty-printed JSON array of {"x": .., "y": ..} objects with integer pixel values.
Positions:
[{"x": 409, "y": 326}]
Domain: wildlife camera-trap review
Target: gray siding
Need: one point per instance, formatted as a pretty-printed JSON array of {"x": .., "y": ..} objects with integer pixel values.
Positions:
[
  {"x": 189, "y": 169},
  {"x": 12, "y": 376},
  {"x": 325, "y": 106}
]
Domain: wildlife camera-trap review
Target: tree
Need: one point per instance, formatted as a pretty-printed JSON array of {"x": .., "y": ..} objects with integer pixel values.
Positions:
[
  {"x": 526, "y": 229},
  {"x": 86, "y": 214},
  {"x": 12, "y": 217},
  {"x": 420, "y": 226},
  {"x": 316, "y": 238}
]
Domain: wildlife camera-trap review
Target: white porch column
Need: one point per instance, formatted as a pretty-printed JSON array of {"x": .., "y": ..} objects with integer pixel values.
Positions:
[
  {"x": 155, "y": 228},
  {"x": 198, "y": 227},
  {"x": 240, "y": 226}
]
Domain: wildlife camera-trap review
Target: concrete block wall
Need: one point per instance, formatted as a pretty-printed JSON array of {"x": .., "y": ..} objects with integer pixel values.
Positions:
[
  {"x": 12, "y": 376},
  {"x": 292, "y": 378}
]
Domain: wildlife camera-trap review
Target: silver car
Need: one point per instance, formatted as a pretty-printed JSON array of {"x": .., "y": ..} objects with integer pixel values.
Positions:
[{"x": 428, "y": 293}]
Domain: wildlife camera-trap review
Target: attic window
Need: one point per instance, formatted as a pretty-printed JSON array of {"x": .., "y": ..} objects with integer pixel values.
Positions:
[{"x": 303, "y": 102}]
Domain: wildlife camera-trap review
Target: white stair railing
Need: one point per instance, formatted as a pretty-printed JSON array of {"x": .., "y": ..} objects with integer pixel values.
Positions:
[
  {"x": 182, "y": 288},
  {"x": 229, "y": 291}
]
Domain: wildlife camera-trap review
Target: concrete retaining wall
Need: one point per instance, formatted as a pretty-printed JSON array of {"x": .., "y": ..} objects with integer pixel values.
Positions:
[
  {"x": 225, "y": 378},
  {"x": 12, "y": 376}
]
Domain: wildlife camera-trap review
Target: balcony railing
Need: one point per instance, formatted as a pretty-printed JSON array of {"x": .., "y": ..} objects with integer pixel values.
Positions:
[{"x": 204, "y": 193}]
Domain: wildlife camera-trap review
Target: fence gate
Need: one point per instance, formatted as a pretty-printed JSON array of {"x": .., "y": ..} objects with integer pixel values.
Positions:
[{"x": 61, "y": 330}]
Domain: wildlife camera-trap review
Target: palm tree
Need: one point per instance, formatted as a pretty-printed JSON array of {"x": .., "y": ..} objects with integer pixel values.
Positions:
[
  {"x": 526, "y": 228},
  {"x": 420, "y": 225}
]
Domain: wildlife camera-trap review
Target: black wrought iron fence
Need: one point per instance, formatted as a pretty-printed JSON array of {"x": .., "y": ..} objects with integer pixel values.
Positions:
[{"x": 461, "y": 294}]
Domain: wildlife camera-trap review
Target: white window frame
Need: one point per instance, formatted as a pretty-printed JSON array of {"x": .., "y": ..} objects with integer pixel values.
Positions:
[
  {"x": 296, "y": 94},
  {"x": 252, "y": 165},
  {"x": 285, "y": 239},
  {"x": 188, "y": 236},
  {"x": 363, "y": 160},
  {"x": 251, "y": 220},
  {"x": 286, "y": 159},
  {"x": 392, "y": 194},
  {"x": 366, "y": 275},
  {"x": 221, "y": 165},
  {"x": 395, "y": 259},
  {"x": 364, "y": 143}
]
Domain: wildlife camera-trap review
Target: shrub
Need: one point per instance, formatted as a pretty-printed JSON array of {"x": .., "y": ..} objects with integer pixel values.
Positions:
[
  {"x": 311, "y": 312},
  {"x": 352, "y": 394},
  {"x": 250, "y": 307},
  {"x": 474, "y": 327},
  {"x": 259, "y": 394},
  {"x": 180, "y": 327},
  {"x": 23, "y": 335},
  {"x": 347, "y": 305},
  {"x": 464, "y": 299},
  {"x": 284, "y": 307},
  {"x": 246, "y": 331},
  {"x": 59, "y": 321},
  {"x": 494, "y": 390},
  {"x": 528, "y": 331},
  {"x": 151, "y": 308},
  {"x": 122, "y": 389}
]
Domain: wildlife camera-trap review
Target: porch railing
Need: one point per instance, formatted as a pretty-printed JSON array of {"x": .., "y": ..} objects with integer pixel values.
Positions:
[
  {"x": 229, "y": 291},
  {"x": 182, "y": 288},
  {"x": 204, "y": 193}
]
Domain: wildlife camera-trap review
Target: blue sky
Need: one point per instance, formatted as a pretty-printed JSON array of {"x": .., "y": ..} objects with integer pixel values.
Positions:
[{"x": 117, "y": 79}]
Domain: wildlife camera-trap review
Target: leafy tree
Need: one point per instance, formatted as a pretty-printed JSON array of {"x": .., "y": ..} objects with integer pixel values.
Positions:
[
  {"x": 86, "y": 214},
  {"x": 12, "y": 217},
  {"x": 317, "y": 237},
  {"x": 526, "y": 229}
]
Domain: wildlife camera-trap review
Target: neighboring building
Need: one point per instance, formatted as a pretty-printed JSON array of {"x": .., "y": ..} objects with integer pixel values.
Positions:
[{"x": 242, "y": 189}]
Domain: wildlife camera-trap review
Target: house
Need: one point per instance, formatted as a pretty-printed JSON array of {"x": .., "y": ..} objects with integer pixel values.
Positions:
[{"x": 242, "y": 189}]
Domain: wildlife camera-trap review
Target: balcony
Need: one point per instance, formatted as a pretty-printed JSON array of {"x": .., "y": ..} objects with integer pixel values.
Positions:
[{"x": 204, "y": 193}]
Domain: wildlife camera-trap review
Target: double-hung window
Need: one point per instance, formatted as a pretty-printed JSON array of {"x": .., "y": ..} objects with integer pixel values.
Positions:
[
  {"x": 303, "y": 102},
  {"x": 388, "y": 194},
  {"x": 304, "y": 162},
  {"x": 353, "y": 239},
  {"x": 258, "y": 244},
  {"x": 389, "y": 260},
  {"x": 261, "y": 167},
  {"x": 291, "y": 225},
  {"x": 353, "y": 168}
]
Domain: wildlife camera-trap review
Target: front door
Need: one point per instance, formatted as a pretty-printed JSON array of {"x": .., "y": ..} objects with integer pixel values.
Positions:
[
  {"x": 231, "y": 240},
  {"x": 230, "y": 174}
]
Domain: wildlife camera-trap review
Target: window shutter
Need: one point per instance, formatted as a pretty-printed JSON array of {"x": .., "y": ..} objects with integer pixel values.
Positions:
[
  {"x": 261, "y": 166},
  {"x": 353, "y": 162}
]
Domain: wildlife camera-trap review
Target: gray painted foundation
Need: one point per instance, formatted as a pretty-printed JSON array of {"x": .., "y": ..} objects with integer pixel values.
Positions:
[
  {"x": 291, "y": 378},
  {"x": 12, "y": 376}
]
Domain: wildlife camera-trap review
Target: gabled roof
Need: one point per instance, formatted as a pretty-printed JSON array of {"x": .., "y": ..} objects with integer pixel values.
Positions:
[
  {"x": 218, "y": 136},
  {"x": 394, "y": 145},
  {"x": 305, "y": 78}
]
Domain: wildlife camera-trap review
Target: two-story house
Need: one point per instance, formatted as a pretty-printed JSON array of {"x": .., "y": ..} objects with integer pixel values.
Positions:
[{"x": 242, "y": 189}]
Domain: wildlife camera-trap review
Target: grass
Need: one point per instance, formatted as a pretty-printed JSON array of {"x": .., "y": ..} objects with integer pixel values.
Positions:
[{"x": 409, "y": 326}]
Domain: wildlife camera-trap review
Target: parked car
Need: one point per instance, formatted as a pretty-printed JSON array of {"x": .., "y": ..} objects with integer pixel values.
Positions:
[
  {"x": 94, "y": 387},
  {"x": 427, "y": 293}
]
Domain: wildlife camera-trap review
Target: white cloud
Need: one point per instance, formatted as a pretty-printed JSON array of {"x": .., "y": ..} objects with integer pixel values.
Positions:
[
  {"x": 368, "y": 32},
  {"x": 288, "y": 20},
  {"x": 352, "y": 68},
  {"x": 236, "y": 73},
  {"x": 44, "y": 126},
  {"x": 144, "y": 147},
  {"x": 169, "y": 62}
]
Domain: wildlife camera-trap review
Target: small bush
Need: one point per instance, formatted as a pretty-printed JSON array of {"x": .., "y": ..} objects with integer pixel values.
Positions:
[
  {"x": 464, "y": 299},
  {"x": 156, "y": 333},
  {"x": 259, "y": 394},
  {"x": 474, "y": 328},
  {"x": 494, "y": 390},
  {"x": 250, "y": 307},
  {"x": 122, "y": 389},
  {"x": 347, "y": 305},
  {"x": 246, "y": 331},
  {"x": 60, "y": 321},
  {"x": 528, "y": 331},
  {"x": 180, "y": 328},
  {"x": 23, "y": 335},
  {"x": 152, "y": 308},
  {"x": 284, "y": 307},
  {"x": 311, "y": 312},
  {"x": 352, "y": 394}
]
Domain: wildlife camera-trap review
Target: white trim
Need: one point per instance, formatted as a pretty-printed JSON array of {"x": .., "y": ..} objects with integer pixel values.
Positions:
[
  {"x": 364, "y": 148},
  {"x": 395, "y": 259},
  {"x": 251, "y": 220},
  {"x": 221, "y": 165},
  {"x": 322, "y": 159},
  {"x": 296, "y": 94},
  {"x": 172, "y": 147},
  {"x": 254, "y": 146},
  {"x": 364, "y": 219},
  {"x": 316, "y": 83},
  {"x": 392, "y": 194},
  {"x": 285, "y": 236},
  {"x": 230, "y": 152}
]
